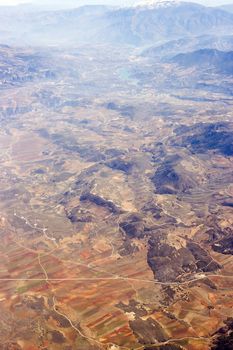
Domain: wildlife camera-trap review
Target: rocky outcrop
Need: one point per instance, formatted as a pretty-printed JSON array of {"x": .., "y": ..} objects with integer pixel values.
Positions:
[
  {"x": 221, "y": 240},
  {"x": 223, "y": 338},
  {"x": 133, "y": 226},
  {"x": 224, "y": 246},
  {"x": 121, "y": 165},
  {"x": 79, "y": 214},
  {"x": 87, "y": 196},
  {"x": 172, "y": 178},
  {"x": 169, "y": 263},
  {"x": 202, "y": 138},
  {"x": 124, "y": 110},
  {"x": 164, "y": 347}
]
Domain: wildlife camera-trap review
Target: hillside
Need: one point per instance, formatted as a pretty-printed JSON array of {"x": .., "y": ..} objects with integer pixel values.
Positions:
[{"x": 207, "y": 58}]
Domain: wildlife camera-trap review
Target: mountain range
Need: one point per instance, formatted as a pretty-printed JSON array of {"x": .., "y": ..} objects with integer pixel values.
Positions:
[{"x": 145, "y": 24}]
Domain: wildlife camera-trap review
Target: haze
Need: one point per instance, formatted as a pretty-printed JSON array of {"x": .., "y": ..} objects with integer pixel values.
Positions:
[{"x": 110, "y": 2}]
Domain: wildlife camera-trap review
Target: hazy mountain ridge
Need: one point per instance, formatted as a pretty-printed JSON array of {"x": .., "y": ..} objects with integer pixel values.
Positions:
[
  {"x": 207, "y": 58},
  {"x": 228, "y": 7},
  {"x": 102, "y": 24},
  {"x": 189, "y": 44}
]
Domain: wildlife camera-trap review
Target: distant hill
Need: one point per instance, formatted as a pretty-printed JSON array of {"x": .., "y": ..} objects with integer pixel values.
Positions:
[
  {"x": 18, "y": 68},
  {"x": 207, "y": 58},
  {"x": 138, "y": 25},
  {"x": 228, "y": 7},
  {"x": 189, "y": 44}
]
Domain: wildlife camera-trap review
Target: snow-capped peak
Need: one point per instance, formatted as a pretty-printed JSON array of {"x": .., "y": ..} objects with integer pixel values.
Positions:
[{"x": 157, "y": 3}]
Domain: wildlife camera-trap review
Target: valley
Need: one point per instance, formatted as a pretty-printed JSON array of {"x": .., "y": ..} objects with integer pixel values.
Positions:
[
  {"x": 116, "y": 194},
  {"x": 112, "y": 216}
]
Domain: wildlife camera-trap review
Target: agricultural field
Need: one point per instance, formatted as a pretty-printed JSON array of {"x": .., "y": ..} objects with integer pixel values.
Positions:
[{"x": 116, "y": 199}]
